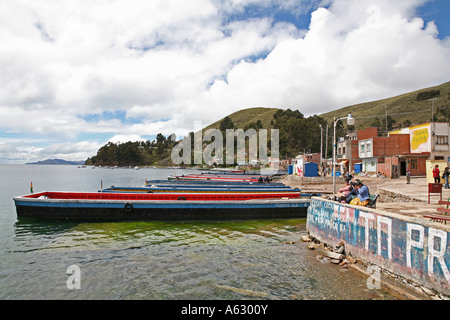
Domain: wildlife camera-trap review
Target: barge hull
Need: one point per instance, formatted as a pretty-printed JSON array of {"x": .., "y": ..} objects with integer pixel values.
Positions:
[{"x": 141, "y": 211}]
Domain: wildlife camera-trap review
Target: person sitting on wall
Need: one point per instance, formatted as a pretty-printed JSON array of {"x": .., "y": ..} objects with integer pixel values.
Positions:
[
  {"x": 344, "y": 191},
  {"x": 362, "y": 199},
  {"x": 353, "y": 193}
]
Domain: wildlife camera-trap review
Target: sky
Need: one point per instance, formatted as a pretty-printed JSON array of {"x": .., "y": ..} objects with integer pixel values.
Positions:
[{"x": 76, "y": 74}]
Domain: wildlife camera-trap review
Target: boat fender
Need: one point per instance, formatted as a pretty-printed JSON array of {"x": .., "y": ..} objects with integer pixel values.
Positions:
[
  {"x": 128, "y": 208},
  {"x": 181, "y": 198}
]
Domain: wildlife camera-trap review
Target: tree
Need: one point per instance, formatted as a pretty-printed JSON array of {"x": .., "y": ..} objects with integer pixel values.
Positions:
[
  {"x": 425, "y": 95},
  {"x": 406, "y": 123},
  {"x": 297, "y": 133},
  {"x": 390, "y": 122},
  {"x": 225, "y": 124}
]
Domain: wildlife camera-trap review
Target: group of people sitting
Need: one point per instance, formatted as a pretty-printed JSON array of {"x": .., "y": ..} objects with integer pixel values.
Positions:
[
  {"x": 354, "y": 192},
  {"x": 267, "y": 179}
]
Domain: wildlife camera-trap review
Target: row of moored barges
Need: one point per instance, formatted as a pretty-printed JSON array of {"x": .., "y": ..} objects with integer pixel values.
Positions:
[{"x": 212, "y": 196}]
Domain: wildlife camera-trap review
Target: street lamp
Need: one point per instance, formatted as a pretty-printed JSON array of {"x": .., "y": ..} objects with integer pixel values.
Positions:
[
  {"x": 321, "y": 145},
  {"x": 350, "y": 122}
]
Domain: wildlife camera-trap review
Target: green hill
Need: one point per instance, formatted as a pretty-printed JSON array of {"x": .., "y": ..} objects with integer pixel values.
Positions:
[
  {"x": 296, "y": 133},
  {"x": 403, "y": 110},
  {"x": 299, "y": 134},
  {"x": 244, "y": 118},
  {"x": 407, "y": 109}
]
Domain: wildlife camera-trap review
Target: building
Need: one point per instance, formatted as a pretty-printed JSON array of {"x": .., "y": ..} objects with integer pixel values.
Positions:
[
  {"x": 312, "y": 157},
  {"x": 280, "y": 164},
  {"x": 388, "y": 155},
  {"x": 428, "y": 141},
  {"x": 429, "y": 138},
  {"x": 302, "y": 168},
  {"x": 347, "y": 153},
  {"x": 406, "y": 148}
]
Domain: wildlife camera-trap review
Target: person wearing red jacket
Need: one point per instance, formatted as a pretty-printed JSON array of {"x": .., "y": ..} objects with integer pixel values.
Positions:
[{"x": 436, "y": 174}]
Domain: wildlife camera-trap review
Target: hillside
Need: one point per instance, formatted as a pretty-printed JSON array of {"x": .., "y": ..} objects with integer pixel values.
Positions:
[
  {"x": 244, "y": 118},
  {"x": 297, "y": 134},
  {"x": 404, "y": 109}
]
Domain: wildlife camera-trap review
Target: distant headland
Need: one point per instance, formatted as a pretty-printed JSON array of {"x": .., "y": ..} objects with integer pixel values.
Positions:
[{"x": 57, "y": 161}]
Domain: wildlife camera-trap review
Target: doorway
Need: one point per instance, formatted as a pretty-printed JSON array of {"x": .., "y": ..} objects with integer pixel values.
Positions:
[{"x": 403, "y": 167}]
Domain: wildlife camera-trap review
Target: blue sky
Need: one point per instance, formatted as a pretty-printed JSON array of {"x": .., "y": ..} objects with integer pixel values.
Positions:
[
  {"x": 437, "y": 11},
  {"x": 77, "y": 74}
]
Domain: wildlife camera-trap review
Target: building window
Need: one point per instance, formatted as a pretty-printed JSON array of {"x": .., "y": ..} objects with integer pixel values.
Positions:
[
  {"x": 438, "y": 158},
  {"x": 442, "y": 140},
  {"x": 380, "y": 160},
  {"x": 362, "y": 148},
  {"x": 413, "y": 164},
  {"x": 343, "y": 150}
]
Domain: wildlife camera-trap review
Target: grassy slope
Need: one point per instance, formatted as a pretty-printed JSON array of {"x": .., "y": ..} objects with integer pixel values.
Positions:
[
  {"x": 244, "y": 117},
  {"x": 401, "y": 108}
]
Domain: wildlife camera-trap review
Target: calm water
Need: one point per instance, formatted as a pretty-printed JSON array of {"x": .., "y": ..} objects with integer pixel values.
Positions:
[{"x": 234, "y": 260}]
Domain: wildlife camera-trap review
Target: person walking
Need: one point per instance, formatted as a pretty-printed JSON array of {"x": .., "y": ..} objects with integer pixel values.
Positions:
[
  {"x": 445, "y": 175},
  {"x": 408, "y": 176},
  {"x": 436, "y": 174}
]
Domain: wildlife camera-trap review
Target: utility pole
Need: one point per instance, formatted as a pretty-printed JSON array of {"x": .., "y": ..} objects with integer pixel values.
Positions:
[
  {"x": 432, "y": 122},
  {"x": 385, "y": 112}
]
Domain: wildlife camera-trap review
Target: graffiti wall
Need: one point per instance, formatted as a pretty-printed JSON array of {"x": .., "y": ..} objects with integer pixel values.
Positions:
[{"x": 408, "y": 247}]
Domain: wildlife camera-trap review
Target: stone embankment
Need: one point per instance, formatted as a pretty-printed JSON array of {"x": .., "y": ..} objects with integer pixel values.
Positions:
[{"x": 377, "y": 278}]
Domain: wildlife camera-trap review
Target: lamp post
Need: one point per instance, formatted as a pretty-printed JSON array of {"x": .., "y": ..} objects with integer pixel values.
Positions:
[
  {"x": 350, "y": 122},
  {"x": 321, "y": 144}
]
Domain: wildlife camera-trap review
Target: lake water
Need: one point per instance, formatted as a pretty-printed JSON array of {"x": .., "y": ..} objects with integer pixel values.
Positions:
[{"x": 220, "y": 260}]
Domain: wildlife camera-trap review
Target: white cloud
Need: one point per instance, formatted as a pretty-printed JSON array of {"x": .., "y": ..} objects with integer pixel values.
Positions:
[
  {"x": 170, "y": 63},
  {"x": 354, "y": 51},
  {"x": 20, "y": 151}
]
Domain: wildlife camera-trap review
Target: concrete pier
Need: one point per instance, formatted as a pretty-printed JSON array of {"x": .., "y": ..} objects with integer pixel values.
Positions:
[
  {"x": 395, "y": 237},
  {"x": 406, "y": 245}
]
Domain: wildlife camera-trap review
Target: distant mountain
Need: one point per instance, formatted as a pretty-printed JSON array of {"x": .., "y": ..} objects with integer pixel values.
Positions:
[{"x": 58, "y": 161}]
